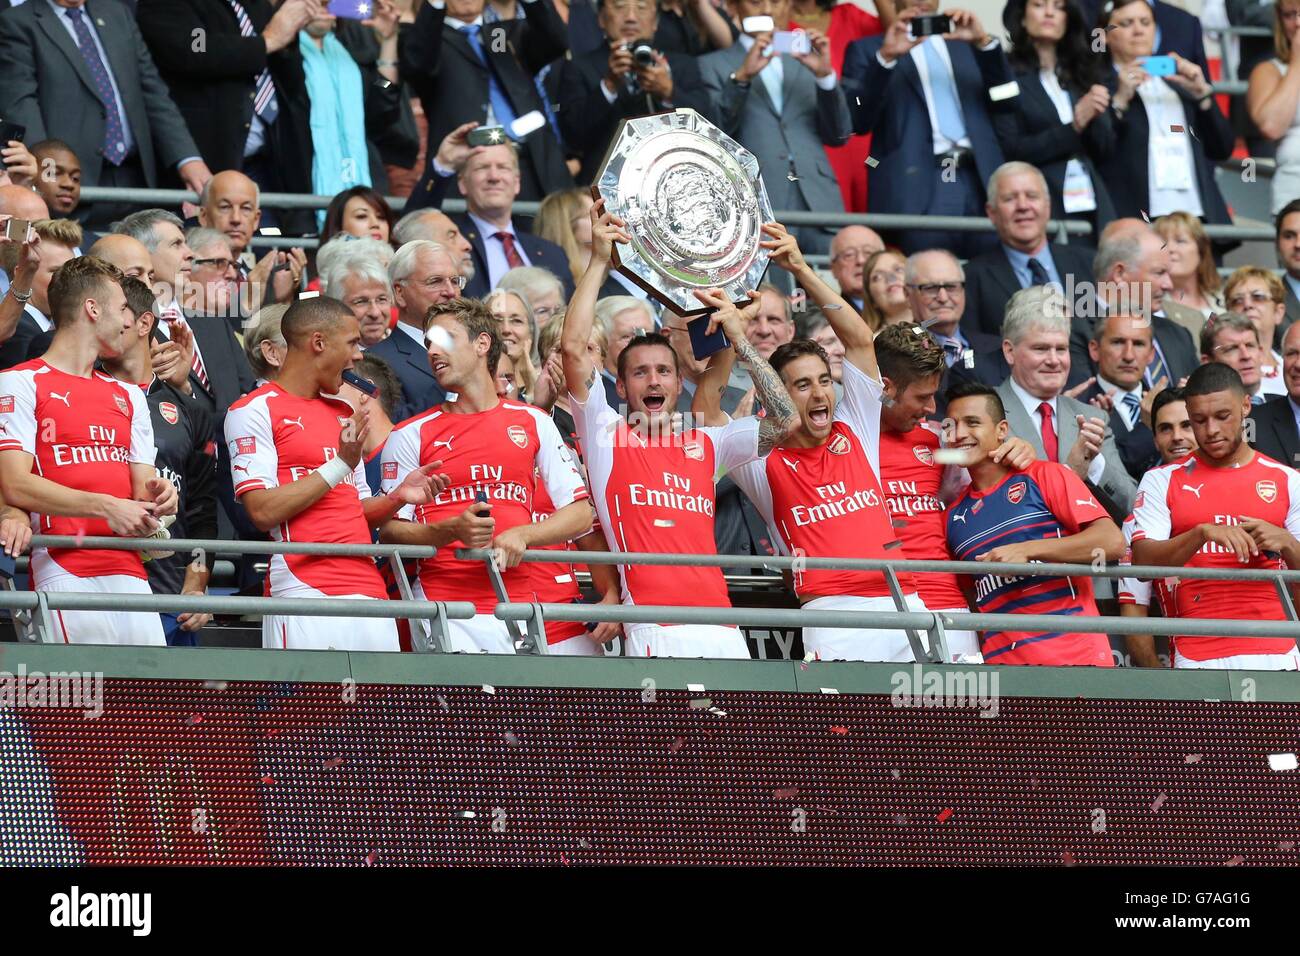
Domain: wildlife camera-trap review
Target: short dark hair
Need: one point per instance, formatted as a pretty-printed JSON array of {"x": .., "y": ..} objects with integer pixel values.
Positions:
[
  {"x": 380, "y": 374},
  {"x": 1292, "y": 207},
  {"x": 77, "y": 280},
  {"x": 971, "y": 389},
  {"x": 647, "y": 338},
  {"x": 1166, "y": 396},
  {"x": 796, "y": 349},
  {"x": 306, "y": 316},
  {"x": 907, "y": 354},
  {"x": 1213, "y": 377},
  {"x": 52, "y": 146},
  {"x": 139, "y": 297}
]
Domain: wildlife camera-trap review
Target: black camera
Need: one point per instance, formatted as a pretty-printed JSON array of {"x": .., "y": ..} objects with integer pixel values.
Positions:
[{"x": 643, "y": 53}]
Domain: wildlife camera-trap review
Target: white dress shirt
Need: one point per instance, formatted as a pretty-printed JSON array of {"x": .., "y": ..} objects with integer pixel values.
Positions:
[
  {"x": 38, "y": 317},
  {"x": 1171, "y": 171},
  {"x": 1095, "y": 468},
  {"x": 496, "y": 251},
  {"x": 941, "y": 143}
]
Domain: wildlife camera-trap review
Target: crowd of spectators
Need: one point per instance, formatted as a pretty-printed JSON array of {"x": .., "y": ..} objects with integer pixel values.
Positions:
[{"x": 1059, "y": 353}]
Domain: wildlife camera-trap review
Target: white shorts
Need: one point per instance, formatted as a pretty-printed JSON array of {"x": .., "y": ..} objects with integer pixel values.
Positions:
[
  {"x": 1290, "y": 661},
  {"x": 580, "y": 646},
  {"x": 481, "y": 634},
  {"x": 685, "y": 640},
  {"x": 864, "y": 644},
  {"x": 963, "y": 646},
  {"x": 100, "y": 627},
  {"x": 298, "y": 633}
]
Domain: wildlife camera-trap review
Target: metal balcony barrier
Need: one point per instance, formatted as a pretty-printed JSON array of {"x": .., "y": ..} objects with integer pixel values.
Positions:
[{"x": 535, "y": 615}]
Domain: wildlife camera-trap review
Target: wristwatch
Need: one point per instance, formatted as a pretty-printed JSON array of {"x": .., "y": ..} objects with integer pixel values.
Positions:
[{"x": 743, "y": 84}]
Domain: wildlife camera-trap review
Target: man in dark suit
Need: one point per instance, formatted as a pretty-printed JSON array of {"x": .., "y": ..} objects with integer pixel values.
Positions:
[
  {"x": 490, "y": 183},
  {"x": 79, "y": 71},
  {"x": 1132, "y": 270},
  {"x": 1287, "y": 226},
  {"x": 1121, "y": 350},
  {"x": 785, "y": 109},
  {"x": 927, "y": 104},
  {"x": 850, "y": 250},
  {"x": 423, "y": 275},
  {"x": 464, "y": 70},
  {"x": 1274, "y": 427},
  {"x": 604, "y": 86}
]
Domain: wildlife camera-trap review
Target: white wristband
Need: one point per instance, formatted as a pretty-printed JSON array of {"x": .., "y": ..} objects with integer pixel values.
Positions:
[{"x": 334, "y": 471}]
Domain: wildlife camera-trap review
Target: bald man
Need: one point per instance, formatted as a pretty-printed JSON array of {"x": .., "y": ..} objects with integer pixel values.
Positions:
[
  {"x": 231, "y": 203},
  {"x": 131, "y": 256},
  {"x": 18, "y": 202},
  {"x": 437, "y": 226},
  {"x": 850, "y": 250}
]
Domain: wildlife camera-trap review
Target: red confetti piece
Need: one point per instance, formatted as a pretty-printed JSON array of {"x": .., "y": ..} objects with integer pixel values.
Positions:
[
  {"x": 371, "y": 857},
  {"x": 785, "y": 793},
  {"x": 193, "y": 719},
  {"x": 81, "y": 536},
  {"x": 1068, "y": 858},
  {"x": 564, "y": 859},
  {"x": 273, "y": 732},
  {"x": 333, "y": 762},
  {"x": 944, "y": 814},
  {"x": 1235, "y": 861},
  {"x": 268, "y": 780},
  {"x": 837, "y": 729},
  {"x": 1159, "y": 802},
  {"x": 676, "y": 745},
  {"x": 1177, "y": 129}
]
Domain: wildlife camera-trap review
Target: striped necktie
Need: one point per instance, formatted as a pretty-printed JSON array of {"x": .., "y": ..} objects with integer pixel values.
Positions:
[
  {"x": 172, "y": 314},
  {"x": 265, "y": 105}
]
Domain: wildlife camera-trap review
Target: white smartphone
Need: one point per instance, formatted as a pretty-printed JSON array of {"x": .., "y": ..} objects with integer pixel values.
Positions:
[
  {"x": 528, "y": 123},
  {"x": 756, "y": 25},
  {"x": 791, "y": 42}
]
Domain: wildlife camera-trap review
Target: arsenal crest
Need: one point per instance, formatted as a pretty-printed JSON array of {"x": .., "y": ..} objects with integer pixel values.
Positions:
[
  {"x": 1017, "y": 492},
  {"x": 923, "y": 454},
  {"x": 169, "y": 412},
  {"x": 694, "y": 450},
  {"x": 122, "y": 405},
  {"x": 839, "y": 445},
  {"x": 1267, "y": 491},
  {"x": 518, "y": 435}
]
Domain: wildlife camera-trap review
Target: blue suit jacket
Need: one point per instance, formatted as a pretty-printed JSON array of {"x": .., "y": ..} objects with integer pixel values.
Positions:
[
  {"x": 540, "y": 252},
  {"x": 890, "y": 104},
  {"x": 410, "y": 363}
]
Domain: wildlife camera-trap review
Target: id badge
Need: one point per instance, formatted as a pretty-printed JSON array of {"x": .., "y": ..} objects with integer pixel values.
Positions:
[
  {"x": 1173, "y": 162},
  {"x": 1076, "y": 192}
]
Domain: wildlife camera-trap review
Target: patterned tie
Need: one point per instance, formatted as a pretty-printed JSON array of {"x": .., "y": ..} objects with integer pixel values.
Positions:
[
  {"x": 265, "y": 105},
  {"x": 1038, "y": 273},
  {"x": 501, "y": 108},
  {"x": 1050, "y": 448},
  {"x": 114, "y": 148},
  {"x": 1132, "y": 408},
  {"x": 1156, "y": 368},
  {"x": 171, "y": 314},
  {"x": 943, "y": 91},
  {"x": 513, "y": 259}
]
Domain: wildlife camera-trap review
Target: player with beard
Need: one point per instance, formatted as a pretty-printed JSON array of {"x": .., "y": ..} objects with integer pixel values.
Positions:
[
  {"x": 653, "y": 483},
  {"x": 918, "y": 479},
  {"x": 1223, "y": 506},
  {"x": 1175, "y": 440},
  {"x": 183, "y": 438}
]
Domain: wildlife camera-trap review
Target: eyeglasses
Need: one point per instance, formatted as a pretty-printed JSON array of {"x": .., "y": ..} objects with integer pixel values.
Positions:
[
  {"x": 860, "y": 254},
  {"x": 222, "y": 264},
  {"x": 1258, "y": 297},
  {"x": 434, "y": 282},
  {"x": 931, "y": 290}
]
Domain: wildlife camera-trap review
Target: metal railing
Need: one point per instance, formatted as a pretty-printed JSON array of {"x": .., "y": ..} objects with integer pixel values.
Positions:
[{"x": 535, "y": 615}]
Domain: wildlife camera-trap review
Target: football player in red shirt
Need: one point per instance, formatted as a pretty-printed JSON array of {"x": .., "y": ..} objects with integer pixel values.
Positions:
[
  {"x": 77, "y": 451},
  {"x": 495, "y": 453},
  {"x": 296, "y": 461},
  {"x": 1223, "y": 506},
  {"x": 653, "y": 483}
]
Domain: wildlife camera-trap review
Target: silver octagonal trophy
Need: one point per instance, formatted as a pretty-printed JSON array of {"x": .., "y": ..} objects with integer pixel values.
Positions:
[{"x": 694, "y": 203}]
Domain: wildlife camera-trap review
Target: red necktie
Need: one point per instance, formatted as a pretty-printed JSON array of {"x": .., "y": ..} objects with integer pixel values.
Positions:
[
  {"x": 1050, "y": 448},
  {"x": 513, "y": 258}
]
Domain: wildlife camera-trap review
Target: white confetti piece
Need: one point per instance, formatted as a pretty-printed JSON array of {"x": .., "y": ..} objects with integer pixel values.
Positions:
[
  {"x": 717, "y": 712},
  {"x": 268, "y": 231},
  {"x": 1192, "y": 758},
  {"x": 951, "y": 456},
  {"x": 872, "y": 162},
  {"x": 1282, "y": 761},
  {"x": 215, "y": 685},
  {"x": 665, "y": 523},
  {"x": 829, "y": 690},
  {"x": 896, "y": 774},
  {"x": 1004, "y": 91},
  {"x": 489, "y": 689},
  {"x": 466, "y": 814},
  {"x": 1159, "y": 802},
  {"x": 968, "y": 358},
  {"x": 511, "y": 739},
  {"x": 308, "y": 295},
  {"x": 695, "y": 688},
  {"x": 442, "y": 702},
  {"x": 701, "y": 703}
]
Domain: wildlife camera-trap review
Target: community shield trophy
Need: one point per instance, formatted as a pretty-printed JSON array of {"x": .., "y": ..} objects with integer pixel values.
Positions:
[{"x": 694, "y": 203}]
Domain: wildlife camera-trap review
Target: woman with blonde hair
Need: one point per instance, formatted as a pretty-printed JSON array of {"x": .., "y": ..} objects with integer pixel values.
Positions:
[
  {"x": 264, "y": 343},
  {"x": 514, "y": 315},
  {"x": 564, "y": 218},
  {"x": 1273, "y": 101},
  {"x": 1191, "y": 262},
  {"x": 884, "y": 300}
]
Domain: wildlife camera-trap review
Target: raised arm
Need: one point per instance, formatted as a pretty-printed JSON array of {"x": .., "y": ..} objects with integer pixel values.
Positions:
[
  {"x": 849, "y": 326},
  {"x": 606, "y": 229},
  {"x": 781, "y": 418}
]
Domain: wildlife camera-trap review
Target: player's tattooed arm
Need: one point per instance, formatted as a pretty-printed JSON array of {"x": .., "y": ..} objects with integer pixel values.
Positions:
[{"x": 781, "y": 418}]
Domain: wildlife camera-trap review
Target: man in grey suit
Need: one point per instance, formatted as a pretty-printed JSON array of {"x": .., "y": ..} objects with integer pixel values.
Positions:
[
  {"x": 783, "y": 109},
  {"x": 79, "y": 71},
  {"x": 1036, "y": 345}
]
